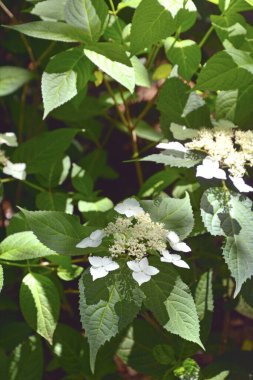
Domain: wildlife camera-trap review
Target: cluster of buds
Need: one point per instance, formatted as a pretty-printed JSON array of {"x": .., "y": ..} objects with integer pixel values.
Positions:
[{"x": 134, "y": 236}]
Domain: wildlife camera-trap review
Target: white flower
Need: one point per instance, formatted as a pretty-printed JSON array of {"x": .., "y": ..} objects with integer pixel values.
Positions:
[
  {"x": 142, "y": 271},
  {"x": 176, "y": 244},
  {"x": 94, "y": 240},
  {"x": 174, "y": 145},
  {"x": 130, "y": 207},
  {"x": 210, "y": 169},
  {"x": 8, "y": 138},
  {"x": 101, "y": 266},
  {"x": 173, "y": 259},
  {"x": 15, "y": 170},
  {"x": 241, "y": 185}
]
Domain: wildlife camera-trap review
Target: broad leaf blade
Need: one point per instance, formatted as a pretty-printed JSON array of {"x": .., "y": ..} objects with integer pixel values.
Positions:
[{"x": 12, "y": 78}]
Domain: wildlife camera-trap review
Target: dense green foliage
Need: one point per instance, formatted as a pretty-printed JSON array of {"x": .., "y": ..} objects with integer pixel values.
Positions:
[{"x": 148, "y": 101}]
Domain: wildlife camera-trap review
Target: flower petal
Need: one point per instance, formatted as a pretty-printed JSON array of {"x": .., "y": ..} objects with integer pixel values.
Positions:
[
  {"x": 141, "y": 277},
  {"x": 174, "y": 145},
  {"x": 15, "y": 170},
  {"x": 181, "y": 246},
  {"x": 134, "y": 266},
  {"x": 129, "y": 207},
  {"x": 173, "y": 237},
  {"x": 210, "y": 169},
  {"x": 96, "y": 261},
  {"x": 181, "y": 264},
  {"x": 88, "y": 242},
  {"x": 143, "y": 264},
  {"x": 8, "y": 138},
  {"x": 151, "y": 271},
  {"x": 98, "y": 273},
  {"x": 97, "y": 235},
  {"x": 241, "y": 185},
  {"x": 112, "y": 266},
  {"x": 165, "y": 255}
]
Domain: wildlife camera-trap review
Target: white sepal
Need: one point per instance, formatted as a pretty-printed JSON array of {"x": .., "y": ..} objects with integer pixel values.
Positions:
[
  {"x": 210, "y": 169},
  {"x": 241, "y": 185},
  {"x": 101, "y": 266},
  {"x": 94, "y": 240},
  {"x": 174, "y": 259},
  {"x": 174, "y": 145},
  {"x": 8, "y": 138},
  {"x": 176, "y": 244},
  {"x": 129, "y": 207},
  {"x": 142, "y": 271},
  {"x": 15, "y": 170}
]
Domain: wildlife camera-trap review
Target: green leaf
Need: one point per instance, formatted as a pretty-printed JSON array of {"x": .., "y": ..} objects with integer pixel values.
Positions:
[
  {"x": 231, "y": 26},
  {"x": 51, "y": 201},
  {"x": 112, "y": 59},
  {"x": 169, "y": 298},
  {"x": 187, "y": 108},
  {"x": 221, "y": 376},
  {"x": 147, "y": 132},
  {"x": 151, "y": 23},
  {"x": 12, "y": 78},
  {"x": 50, "y": 9},
  {"x": 158, "y": 182},
  {"x": 23, "y": 246},
  {"x": 222, "y": 73},
  {"x": 102, "y": 205},
  {"x": 107, "y": 305},
  {"x": 81, "y": 180},
  {"x": 40, "y": 304},
  {"x": 26, "y": 361},
  {"x": 1, "y": 277},
  {"x": 3, "y": 365},
  {"x": 241, "y": 58},
  {"x": 66, "y": 74},
  {"x": 174, "y": 158},
  {"x": 50, "y": 30},
  {"x": 204, "y": 295},
  {"x": 230, "y": 215},
  {"x": 89, "y": 15},
  {"x": 175, "y": 214},
  {"x": 186, "y": 54},
  {"x": 141, "y": 73},
  {"x": 58, "y": 231},
  {"x": 40, "y": 152}
]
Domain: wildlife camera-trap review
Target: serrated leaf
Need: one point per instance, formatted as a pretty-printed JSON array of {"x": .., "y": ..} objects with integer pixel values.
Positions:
[
  {"x": 40, "y": 152},
  {"x": 175, "y": 214},
  {"x": 173, "y": 158},
  {"x": 222, "y": 73},
  {"x": 230, "y": 215},
  {"x": 111, "y": 58},
  {"x": 151, "y": 23},
  {"x": 141, "y": 73},
  {"x": 102, "y": 205},
  {"x": 12, "y": 78},
  {"x": 107, "y": 305},
  {"x": 50, "y": 30},
  {"x": 169, "y": 298},
  {"x": 89, "y": 15},
  {"x": 204, "y": 295},
  {"x": 23, "y": 246},
  {"x": 58, "y": 231},
  {"x": 40, "y": 304},
  {"x": 66, "y": 74},
  {"x": 26, "y": 361},
  {"x": 51, "y": 201},
  {"x": 158, "y": 182},
  {"x": 186, "y": 54}
]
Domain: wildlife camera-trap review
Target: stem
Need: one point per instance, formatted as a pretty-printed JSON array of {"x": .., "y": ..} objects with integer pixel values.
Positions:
[
  {"x": 146, "y": 109},
  {"x": 10, "y": 263},
  {"x": 32, "y": 185},
  {"x": 44, "y": 55},
  {"x": 152, "y": 55},
  {"x": 114, "y": 12},
  {"x": 121, "y": 116},
  {"x": 206, "y": 36},
  {"x": 22, "y": 113},
  {"x": 136, "y": 155}
]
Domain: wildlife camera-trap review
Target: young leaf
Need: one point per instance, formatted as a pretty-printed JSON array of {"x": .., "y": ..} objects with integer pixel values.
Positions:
[
  {"x": 50, "y": 30},
  {"x": 66, "y": 74},
  {"x": 40, "y": 304},
  {"x": 173, "y": 158},
  {"x": 58, "y": 231},
  {"x": 230, "y": 215},
  {"x": 186, "y": 54},
  {"x": 26, "y": 361},
  {"x": 12, "y": 78},
  {"x": 112, "y": 59},
  {"x": 169, "y": 298},
  {"x": 23, "y": 246},
  {"x": 50, "y": 9},
  {"x": 89, "y": 15},
  {"x": 151, "y": 23},
  {"x": 107, "y": 305},
  {"x": 175, "y": 214}
]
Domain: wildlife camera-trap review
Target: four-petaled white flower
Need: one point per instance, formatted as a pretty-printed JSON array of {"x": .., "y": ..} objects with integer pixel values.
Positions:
[
  {"x": 210, "y": 169},
  {"x": 8, "y": 138},
  {"x": 241, "y": 185},
  {"x": 15, "y": 170},
  {"x": 142, "y": 271},
  {"x": 130, "y": 207},
  {"x": 101, "y": 266},
  {"x": 94, "y": 240},
  {"x": 176, "y": 244},
  {"x": 173, "y": 259},
  {"x": 173, "y": 145}
]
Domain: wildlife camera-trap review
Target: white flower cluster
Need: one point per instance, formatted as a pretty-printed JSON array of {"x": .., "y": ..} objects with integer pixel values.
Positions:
[
  {"x": 134, "y": 236},
  {"x": 226, "y": 148},
  {"x": 14, "y": 170}
]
